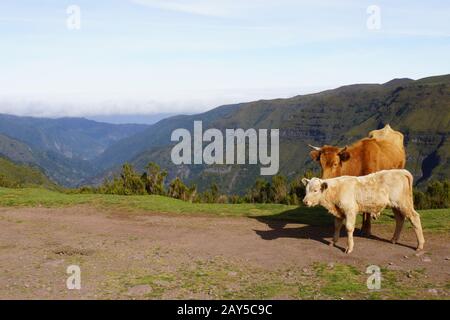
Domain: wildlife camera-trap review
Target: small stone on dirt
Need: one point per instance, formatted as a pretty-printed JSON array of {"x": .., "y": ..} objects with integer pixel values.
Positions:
[
  {"x": 433, "y": 291},
  {"x": 406, "y": 257},
  {"x": 139, "y": 290},
  {"x": 162, "y": 283},
  {"x": 330, "y": 265},
  {"x": 54, "y": 263},
  {"x": 69, "y": 251},
  {"x": 393, "y": 267},
  {"x": 426, "y": 259}
]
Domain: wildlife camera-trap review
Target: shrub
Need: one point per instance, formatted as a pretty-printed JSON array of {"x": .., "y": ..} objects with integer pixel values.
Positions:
[
  {"x": 7, "y": 183},
  {"x": 212, "y": 195},
  {"x": 436, "y": 196},
  {"x": 128, "y": 183},
  {"x": 178, "y": 190}
]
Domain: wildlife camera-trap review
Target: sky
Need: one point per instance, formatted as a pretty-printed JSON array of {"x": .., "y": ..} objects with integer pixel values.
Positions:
[{"x": 132, "y": 57}]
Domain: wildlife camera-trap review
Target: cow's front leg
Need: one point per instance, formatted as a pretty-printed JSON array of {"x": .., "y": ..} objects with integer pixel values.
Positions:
[
  {"x": 350, "y": 226},
  {"x": 338, "y": 222},
  {"x": 399, "y": 220},
  {"x": 366, "y": 228}
]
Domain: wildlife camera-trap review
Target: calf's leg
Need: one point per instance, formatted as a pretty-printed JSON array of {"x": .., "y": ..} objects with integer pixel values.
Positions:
[
  {"x": 338, "y": 222},
  {"x": 399, "y": 220},
  {"x": 350, "y": 226},
  {"x": 415, "y": 221}
]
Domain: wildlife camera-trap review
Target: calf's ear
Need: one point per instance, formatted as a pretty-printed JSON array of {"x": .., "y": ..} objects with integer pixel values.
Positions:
[
  {"x": 323, "y": 186},
  {"x": 315, "y": 155},
  {"x": 305, "y": 181}
]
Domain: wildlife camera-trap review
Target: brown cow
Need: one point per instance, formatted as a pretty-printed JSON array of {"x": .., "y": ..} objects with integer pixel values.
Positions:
[{"x": 382, "y": 152}]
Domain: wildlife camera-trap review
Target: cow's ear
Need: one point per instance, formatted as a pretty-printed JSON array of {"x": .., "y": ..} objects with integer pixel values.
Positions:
[
  {"x": 315, "y": 155},
  {"x": 323, "y": 186},
  {"x": 305, "y": 181},
  {"x": 344, "y": 155}
]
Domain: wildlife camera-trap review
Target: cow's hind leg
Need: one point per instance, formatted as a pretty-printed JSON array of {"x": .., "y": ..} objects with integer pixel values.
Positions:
[
  {"x": 417, "y": 225},
  {"x": 338, "y": 222},
  {"x": 366, "y": 228},
  {"x": 399, "y": 220},
  {"x": 350, "y": 226}
]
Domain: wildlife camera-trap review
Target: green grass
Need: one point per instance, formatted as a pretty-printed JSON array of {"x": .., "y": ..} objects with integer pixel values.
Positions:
[
  {"x": 437, "y": 220},
  {"x": 32, "y": 197}
]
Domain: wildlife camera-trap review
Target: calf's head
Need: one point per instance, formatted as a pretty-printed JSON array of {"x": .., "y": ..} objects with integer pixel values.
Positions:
[
  {"x": 314, "y": 191},
  {"x": 331, "y": 159}
]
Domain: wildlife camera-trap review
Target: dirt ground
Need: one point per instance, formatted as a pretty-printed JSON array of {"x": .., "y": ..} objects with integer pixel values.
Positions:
[{"x": 37, "y": 245}]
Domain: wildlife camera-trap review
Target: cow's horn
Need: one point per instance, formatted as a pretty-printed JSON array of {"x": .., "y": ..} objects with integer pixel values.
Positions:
[{"x": 315, "y": 148}]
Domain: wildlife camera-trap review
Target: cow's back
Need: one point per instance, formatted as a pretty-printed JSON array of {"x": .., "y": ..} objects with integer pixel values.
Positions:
[
  {"x": 395, "y": 141},
  {"x": 387, "y": 133},
  {"x": 371, "y": 155}
]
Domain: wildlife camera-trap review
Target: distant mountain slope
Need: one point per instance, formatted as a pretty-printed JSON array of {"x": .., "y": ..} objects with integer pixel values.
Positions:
[
  {"x": 62, "y": 170},
  {"x": 15, "y": 150},
  {"x": 156, "y": 135},
  {"x": 420, "y": 109},
  {"x": 61, "y": 147},
  {"x": 13, "y": 175},
  {"x": 71, "y": 137}
]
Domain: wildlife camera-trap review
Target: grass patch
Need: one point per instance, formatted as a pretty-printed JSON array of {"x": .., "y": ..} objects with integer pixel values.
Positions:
[
  {"x": 339, "y": 281},
  {"x": 436, "y": 220}
]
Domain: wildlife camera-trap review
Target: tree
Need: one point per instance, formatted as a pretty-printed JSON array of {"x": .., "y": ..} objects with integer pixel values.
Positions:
[
  {"x": 154, "y": 179},
  {"x": 259, "y": 193},
  {"x": 278, "y": 189},
  {"x": 131, "y": 181}
]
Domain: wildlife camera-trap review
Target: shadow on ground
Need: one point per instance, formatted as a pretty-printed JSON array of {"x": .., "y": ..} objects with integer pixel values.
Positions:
[{"x": 317, "y": 224}]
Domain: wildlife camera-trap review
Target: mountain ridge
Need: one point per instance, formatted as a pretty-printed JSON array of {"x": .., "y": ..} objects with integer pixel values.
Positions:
[{"x": 338, "y": 116}]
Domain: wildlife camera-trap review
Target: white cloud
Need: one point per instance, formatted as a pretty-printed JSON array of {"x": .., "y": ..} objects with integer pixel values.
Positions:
[
  {"x": 198, "y": 7},
  {"x": 234, "y": 8}
]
